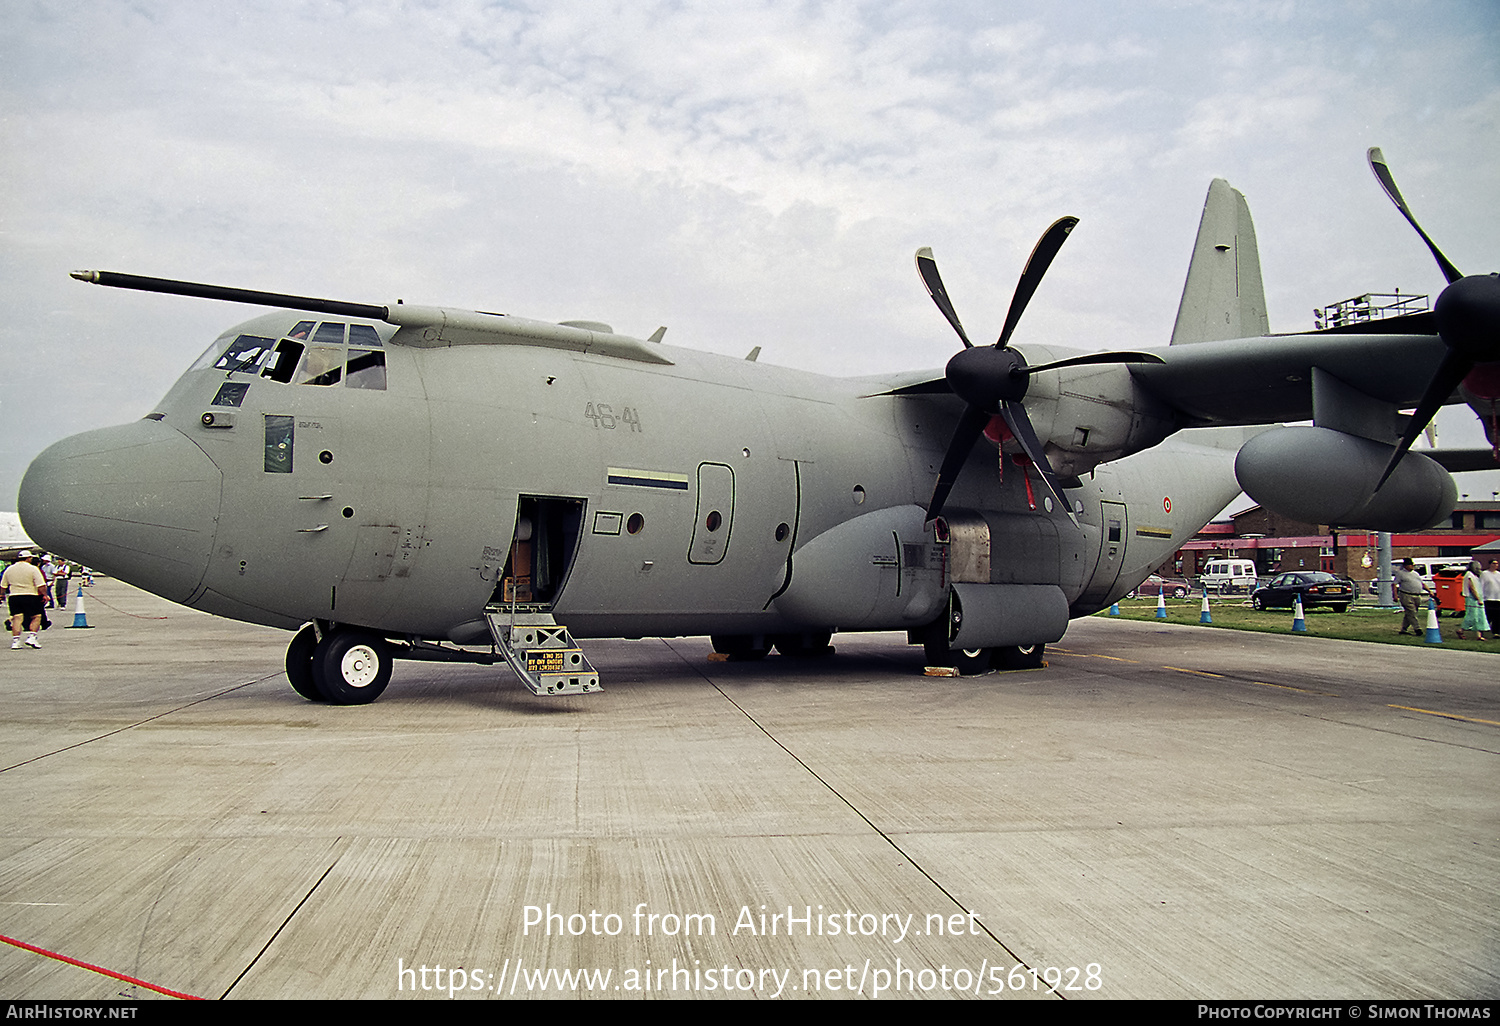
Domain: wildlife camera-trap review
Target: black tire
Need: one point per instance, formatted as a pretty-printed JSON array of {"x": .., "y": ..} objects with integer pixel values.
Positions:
[
  {"x": 813, "y": 645},
  {"x": 351, "y": 667},
  {"x": 1178, "y": 593},
  {"x": 740, "y": 647},
  {"x": 1259, "y": 603},
  {"x": 299, "y": 664},
  {"x": 1021, "y": 657},
  {"x": 970, "y": 662}
]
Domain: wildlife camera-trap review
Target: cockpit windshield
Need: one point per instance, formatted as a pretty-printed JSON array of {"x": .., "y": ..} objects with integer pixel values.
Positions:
[{"x": 312, "y": 353}]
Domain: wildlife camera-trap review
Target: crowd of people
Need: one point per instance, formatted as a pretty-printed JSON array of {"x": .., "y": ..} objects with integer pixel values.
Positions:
[
  {"x": 1481, "y": 594},
  {"x": 33, "y": 584}
]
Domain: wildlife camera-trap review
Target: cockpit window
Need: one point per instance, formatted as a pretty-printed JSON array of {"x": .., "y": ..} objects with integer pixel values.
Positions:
[
  {"x": 330, "y": 332},
  {"x": 311, "y": 353},
  {"x": 245, "y": 354},
  {"x": 366, "y": 368},
  {"x": 364, "y": 335},
  {"x": 324, "y": 365},
  {"x": 284, "y": 362}
]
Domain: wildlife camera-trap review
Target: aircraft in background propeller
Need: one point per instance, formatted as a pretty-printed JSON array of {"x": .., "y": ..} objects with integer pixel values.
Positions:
[{"x": 410, "y": 482}]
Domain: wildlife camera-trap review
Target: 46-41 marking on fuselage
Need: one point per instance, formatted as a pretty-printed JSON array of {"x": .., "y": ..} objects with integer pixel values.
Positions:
[{"x": 603, "y": 415}]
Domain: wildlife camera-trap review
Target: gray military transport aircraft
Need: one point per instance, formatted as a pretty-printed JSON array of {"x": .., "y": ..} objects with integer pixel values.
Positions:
[{"x": 412, "y": 482}]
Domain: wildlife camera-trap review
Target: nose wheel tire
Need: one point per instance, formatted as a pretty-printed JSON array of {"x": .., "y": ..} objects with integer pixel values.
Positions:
[
  {"x": 299, "y": 664},
  {"x": 352, "y": 668}
]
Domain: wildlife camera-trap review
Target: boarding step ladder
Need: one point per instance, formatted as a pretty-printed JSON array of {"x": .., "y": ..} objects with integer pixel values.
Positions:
[{"x": 541, "y": 652}]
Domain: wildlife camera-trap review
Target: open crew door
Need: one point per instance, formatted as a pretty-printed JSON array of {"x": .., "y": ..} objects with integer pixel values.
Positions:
[
  {"x": 539, "y": 649},
  {"x": 541, "y": 553}
]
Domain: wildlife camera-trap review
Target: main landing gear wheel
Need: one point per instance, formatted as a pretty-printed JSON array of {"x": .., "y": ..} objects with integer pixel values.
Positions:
[
  {"x": 969, "y": 662},
  {"x": 1020, "y": 657},
  {"x": 812, "y": 645},
  {"x": 352, "y": 667},
  {"x": 740, "y": 647},
  {"x": 299, "y": 664}
]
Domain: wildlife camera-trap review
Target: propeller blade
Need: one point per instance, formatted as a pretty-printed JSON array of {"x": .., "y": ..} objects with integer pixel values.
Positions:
[
  {"x": 1454, "y": 368},
  {"x": 1020, "y": 426},
  {"x": 1388, "y": 183},
  {"x": 1097, "y": 358},
  {"x": 927, "y": 268},
  {"x": 970, "y": 427},
  {"x": 1036, "y": 266}
]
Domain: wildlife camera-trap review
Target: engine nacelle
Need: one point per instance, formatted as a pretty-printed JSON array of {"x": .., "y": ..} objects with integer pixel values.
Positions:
[{"x": 1323, "y": 476}]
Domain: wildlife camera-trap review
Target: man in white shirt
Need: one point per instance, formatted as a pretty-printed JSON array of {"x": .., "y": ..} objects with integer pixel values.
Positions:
[
  {"x": 1489, "y": 581},
  {"x": 24, "y": 588}
]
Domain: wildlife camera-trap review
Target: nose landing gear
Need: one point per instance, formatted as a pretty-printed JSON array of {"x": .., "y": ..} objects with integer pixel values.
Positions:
[{"x": 344, "y": 667}]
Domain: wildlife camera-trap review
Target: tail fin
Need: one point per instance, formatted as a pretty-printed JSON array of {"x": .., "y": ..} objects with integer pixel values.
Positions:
[{"x": 1223, "y": 297}]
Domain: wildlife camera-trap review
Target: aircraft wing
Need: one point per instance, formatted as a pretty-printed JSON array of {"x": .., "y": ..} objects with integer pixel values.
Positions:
[
  {"x": 1269, "y": 379},
  {"x": 1459, "y": 460}
]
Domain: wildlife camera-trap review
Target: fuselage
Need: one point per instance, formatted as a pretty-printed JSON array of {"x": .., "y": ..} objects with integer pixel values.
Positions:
[{"x": 314, "y": 468}]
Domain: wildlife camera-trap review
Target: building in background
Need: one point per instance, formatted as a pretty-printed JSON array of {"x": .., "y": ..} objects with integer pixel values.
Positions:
[{"x": 1276, "y": 543}]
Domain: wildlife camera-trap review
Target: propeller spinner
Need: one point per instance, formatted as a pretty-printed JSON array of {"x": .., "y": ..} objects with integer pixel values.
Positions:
[
  {"x": 1468, "y": 321},
  {"x": 993, "y": 379}
]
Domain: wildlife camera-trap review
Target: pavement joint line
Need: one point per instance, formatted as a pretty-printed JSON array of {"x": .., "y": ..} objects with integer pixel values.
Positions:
[
  {"x": 853, "y": 808},
  {"x": 97, "y": 969},
  {"x": 284, "y": 923},
  {"x": 138, "y": 723},
  {"x": 1330, "y": 694}
]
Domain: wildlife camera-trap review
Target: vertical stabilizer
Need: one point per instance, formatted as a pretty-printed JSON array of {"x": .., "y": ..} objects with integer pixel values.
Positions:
[{"x": 1223, "y": 297}]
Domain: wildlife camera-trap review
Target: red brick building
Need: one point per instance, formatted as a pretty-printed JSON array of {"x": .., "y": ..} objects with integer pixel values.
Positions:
[{"x": 1276, "y": 543}]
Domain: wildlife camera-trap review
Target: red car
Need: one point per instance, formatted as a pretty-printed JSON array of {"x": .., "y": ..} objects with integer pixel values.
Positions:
[{"x": 1172, "y": 587}]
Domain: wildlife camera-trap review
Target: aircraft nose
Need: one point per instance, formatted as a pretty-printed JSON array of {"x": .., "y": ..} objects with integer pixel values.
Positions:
[{"x": 139, "y": 502}]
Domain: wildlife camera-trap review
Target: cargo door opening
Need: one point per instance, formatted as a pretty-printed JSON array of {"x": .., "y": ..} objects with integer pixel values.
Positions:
[{"x": 542, "y": 552}]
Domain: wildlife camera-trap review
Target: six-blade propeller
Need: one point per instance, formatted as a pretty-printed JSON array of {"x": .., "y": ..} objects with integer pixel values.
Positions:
[
  {"x": 1468, "y": 320},
  {"x": 993, "y": 379}
]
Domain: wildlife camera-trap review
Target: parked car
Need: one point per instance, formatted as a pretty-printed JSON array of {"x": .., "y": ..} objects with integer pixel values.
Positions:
[
  {"x": 1315, "y": 587},
  {"x": 1228, "y": 576},
  {"x": 1172, "y": 587}
]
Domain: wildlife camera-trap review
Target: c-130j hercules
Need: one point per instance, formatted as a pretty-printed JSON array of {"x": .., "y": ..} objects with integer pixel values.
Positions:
[{"x": 404, "y": 481}]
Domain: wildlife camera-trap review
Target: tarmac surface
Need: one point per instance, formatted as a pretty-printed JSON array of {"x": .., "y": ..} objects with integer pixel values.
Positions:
[{"x": 1164, "y": 812}]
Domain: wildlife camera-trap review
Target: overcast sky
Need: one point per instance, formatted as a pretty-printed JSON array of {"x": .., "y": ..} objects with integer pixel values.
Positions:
[{"x": 744, "y": 173}]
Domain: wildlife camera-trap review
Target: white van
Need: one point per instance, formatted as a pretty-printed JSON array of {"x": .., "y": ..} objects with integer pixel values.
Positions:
[{"x": 1228, "y": 576}]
